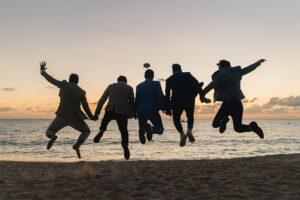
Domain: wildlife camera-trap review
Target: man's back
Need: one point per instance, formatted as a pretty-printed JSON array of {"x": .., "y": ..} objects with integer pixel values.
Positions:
[
  {"x": 149, "y": 96},
  {"x": 120, "y": 97},
  {"x": 71, "y": 96},
  {"x": 184, "y": 87},
  {"x": 229, "y": 84}
]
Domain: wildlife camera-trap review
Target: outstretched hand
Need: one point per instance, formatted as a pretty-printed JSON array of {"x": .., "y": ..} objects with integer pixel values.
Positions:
[
  {"x": 43, "y": 66},
  {"x": 261, "y": 61}
]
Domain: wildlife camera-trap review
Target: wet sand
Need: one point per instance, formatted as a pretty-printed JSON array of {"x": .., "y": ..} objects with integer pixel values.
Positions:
[{"x": 268, "y": 177}]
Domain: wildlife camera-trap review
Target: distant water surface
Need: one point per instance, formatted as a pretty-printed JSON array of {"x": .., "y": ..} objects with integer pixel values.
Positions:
[{"x": 26, "y": 140}]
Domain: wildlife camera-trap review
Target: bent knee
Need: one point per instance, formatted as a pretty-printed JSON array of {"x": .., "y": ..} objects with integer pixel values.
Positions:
[
  {"x": 50, "y": 133},
  {"x": 238, "y": 129},
  {"x": 87, "y": 132},
  {"x": 84, "y": 135},
  {"x": 160, "y": 131},
  {"x": 215, "y": 124}
]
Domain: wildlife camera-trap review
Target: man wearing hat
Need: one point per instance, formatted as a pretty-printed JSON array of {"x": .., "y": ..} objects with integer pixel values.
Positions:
[
  {"x": 227, "y": 85},
  {"x": 181, "y": 90}
]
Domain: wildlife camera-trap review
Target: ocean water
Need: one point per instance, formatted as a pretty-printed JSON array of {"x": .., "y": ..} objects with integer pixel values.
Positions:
[{"x": 25, "y": 140}]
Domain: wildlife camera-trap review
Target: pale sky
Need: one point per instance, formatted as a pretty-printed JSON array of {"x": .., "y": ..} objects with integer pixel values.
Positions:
[{"x": 101, "y": 40}]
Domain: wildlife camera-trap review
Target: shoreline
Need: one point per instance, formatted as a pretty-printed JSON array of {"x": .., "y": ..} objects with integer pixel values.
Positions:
[
  {"x": 265, "y": 177},
  {"x": 75, "y": 160}
]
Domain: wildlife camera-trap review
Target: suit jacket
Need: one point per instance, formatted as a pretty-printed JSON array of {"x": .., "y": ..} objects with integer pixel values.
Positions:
[
  {"x": 121, "y": 99},
  {"x": 149, "y": 96},
  {"x": 184, "y": 87},
  {"x": 227, "y": 82},
  {"x": 71, "y": 98}
]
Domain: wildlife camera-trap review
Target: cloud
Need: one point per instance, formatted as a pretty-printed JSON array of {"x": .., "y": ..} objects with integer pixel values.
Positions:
[
  {"x": 50, "y": 87},
  {"x": 161, "y": 80},
  {"x": 292, "y": 101},
  {"x": 6, "y": 109},
  {"x": 250, "y": 101},
  {"x": 281, "y": 110},
  {"x": 275, "y": 106},
  {"x": 9, "y": 89},
  {"x": 94, "y": 103},
  {"x": 254, "y": 109},
  {"x": 28, "y": 109},
  {"x": 207, "y": 109},
  {"x": 41, "y": 109}
]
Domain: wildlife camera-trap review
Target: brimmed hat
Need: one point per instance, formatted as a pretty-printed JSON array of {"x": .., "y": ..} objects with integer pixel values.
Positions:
[{"x": 224, "y": 63}]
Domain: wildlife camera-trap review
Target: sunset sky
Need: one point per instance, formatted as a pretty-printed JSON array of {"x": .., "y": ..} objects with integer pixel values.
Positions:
[{"x": 101, "y": 40}]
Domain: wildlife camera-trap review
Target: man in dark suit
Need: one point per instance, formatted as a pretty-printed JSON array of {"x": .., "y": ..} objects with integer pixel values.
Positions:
[
  {"x": 69, "y": 112},
  {"x": 149, "y": 100},
  {"x": 184, "y": 88}
]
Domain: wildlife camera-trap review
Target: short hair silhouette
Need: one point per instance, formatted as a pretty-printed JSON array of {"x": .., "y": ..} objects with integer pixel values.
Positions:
[
  {"x": 176, "y": 67},
  {"x": 149, "y": 74},
  {"x": 224, "y": 63},
  {"x": 74, "y": 78},
  {"x": 122, "y": 79}
]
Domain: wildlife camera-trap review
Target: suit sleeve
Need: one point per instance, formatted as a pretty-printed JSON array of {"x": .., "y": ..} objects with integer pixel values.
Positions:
[
  {"x": 197, "y": 85},
  {"x": 217, "y": 79},
  {"x": 160, "y": 96},
  {"x": 209, "y": 87},
  {"x": 168, "y": 94},
  {"x": 250, "y": 68},
  {"x": 102, "y": 101},
  {"x": 137, "y": 97},
  {"x": 131, "y": 97},
  {"x": 52, "y": 80},
  {"x": 85, "y": 105}
]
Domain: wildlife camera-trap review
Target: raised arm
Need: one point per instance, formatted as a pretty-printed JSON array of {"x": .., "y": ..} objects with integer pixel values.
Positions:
[
  {"x": 49, "y": 78},
  {"x": 102, "y": 101},
  {"x": 252, "y": 67}
]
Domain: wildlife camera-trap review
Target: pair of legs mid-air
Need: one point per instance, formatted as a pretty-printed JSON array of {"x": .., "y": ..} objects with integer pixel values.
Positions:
[
  {"x": 122, "y": 122},
  {"x": 148, "y": 129},
  {"x": 188, "y": 108},
  {"x": 76, "y": 123},
  {"x": 234, "y": 108}
]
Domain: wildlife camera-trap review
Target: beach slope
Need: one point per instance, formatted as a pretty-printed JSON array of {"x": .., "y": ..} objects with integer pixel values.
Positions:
[{"x": 268, "y": 177}]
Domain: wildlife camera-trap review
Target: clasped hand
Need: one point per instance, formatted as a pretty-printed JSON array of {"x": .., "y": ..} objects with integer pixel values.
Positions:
[{"x": 95, "y": 118}]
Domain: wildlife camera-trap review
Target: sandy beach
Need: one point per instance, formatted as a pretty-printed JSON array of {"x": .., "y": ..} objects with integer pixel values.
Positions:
[{"x": 268, "y": 177}]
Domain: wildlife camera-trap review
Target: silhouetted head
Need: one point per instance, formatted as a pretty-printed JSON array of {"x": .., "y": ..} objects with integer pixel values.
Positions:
[
  {"x": 122, "y": 79},
  {"x": 74, "y": 78},
  {"x": 149, "y": 74},
  {"x": 223, "y": 63},
  {"x": 176, "y": 68}
]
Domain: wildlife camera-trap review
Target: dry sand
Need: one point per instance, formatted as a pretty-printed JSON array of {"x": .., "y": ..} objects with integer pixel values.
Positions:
[{"x": 269, "y": 177}]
